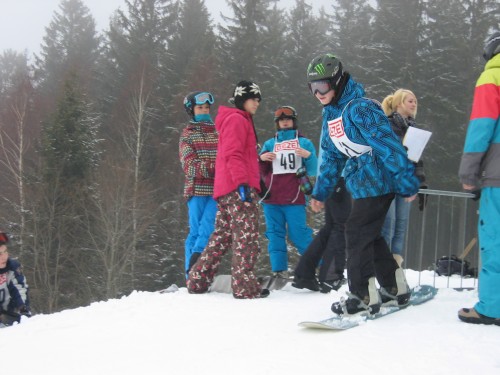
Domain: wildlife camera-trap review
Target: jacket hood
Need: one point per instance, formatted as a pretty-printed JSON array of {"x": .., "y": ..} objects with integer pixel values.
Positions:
[{"x": 351, "y": 91}]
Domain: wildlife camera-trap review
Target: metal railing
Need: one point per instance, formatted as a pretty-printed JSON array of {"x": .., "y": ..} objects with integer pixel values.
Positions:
[{"x": 446, "y": 227}]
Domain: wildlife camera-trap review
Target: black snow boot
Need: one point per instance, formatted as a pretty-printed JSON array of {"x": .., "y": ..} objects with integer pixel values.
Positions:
[
  {"x": 327, "y": 286},
  {"x": 300, "y": 283},
  {"x": 368, "y": 303},
  {"x": 398, "y": 295}
]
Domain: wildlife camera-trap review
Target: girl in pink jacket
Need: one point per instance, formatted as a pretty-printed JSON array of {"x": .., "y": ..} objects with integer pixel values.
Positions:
[{"x": 237, "y": 183}]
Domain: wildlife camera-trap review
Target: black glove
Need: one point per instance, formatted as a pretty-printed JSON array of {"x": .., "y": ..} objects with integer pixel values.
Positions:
[
  {"x": 422, "y": 199},
  {"x": 244, "y": 192},
  {"x": 477, "y": 194},
  {"x": 24, "y": 310}
]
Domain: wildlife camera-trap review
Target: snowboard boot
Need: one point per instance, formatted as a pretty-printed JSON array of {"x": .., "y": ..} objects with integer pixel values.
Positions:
[
  {"x": 281, "y": 274},
  {"x": 398, "y": 295},
  {"x": 367, "y": 304},
  {"x": 264, "y": 293},
  {"x": 192, "y": 261},
  {"x": 327, "y": 286},
  {"x": 399, "y": 259},
  {"x": 300, "y": 283}
]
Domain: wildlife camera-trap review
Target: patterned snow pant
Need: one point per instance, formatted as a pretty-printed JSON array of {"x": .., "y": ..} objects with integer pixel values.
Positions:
[{"x": 236, "y": 229}]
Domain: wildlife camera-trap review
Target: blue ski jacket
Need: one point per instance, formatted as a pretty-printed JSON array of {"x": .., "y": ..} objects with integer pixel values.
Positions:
[{"x": 383, "y": 169}]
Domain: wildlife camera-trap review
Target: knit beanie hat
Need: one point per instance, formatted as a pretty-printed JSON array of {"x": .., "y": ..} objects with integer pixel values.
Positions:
[
  {"x": 245, "y": 90},
  {"x": 3, "y": 238}
]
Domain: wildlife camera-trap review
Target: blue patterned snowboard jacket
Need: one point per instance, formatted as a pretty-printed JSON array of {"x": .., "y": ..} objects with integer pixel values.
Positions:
[{"x": 382, "y": 170}]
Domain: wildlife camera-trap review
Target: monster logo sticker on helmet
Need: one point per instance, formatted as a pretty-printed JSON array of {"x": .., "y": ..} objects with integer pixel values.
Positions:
[
  {"x": 492, "y": 46},
  {"x": 325, "y": 68},
  {"x": 197, "y": 98}
]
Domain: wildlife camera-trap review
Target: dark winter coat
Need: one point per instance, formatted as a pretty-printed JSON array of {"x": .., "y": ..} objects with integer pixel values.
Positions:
[
  {"x": 400, "y": 126},
  {"x": 13, "y": 287}
]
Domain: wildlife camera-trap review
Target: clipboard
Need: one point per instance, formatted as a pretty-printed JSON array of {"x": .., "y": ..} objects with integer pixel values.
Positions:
[{"x": 415, "y": 141}]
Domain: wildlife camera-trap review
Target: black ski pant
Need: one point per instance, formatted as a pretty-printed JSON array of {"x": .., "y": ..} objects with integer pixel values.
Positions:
[
  {"x": 367, "y": 252},
  {"x": 328, "y": 246}
]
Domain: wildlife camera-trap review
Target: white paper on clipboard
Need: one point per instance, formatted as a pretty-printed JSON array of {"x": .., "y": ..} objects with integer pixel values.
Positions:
[{"x": 415, "y": 141}]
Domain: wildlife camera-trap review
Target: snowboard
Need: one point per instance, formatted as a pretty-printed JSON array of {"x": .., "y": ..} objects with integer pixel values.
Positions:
[
  {"x": 419, "y": 295},
  {"x": 171, "y": 289},
  {"x": 222, "y": 283}
]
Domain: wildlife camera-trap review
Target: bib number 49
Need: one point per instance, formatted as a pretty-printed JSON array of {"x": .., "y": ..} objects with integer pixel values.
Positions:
[{"x": 288, "y": 161}]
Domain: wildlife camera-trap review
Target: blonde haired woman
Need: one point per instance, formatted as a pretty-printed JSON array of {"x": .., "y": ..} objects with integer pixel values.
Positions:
[{"x": 401, "y": 109}]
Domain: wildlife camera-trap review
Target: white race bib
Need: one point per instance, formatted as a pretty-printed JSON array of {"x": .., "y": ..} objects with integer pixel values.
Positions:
[
  {"x": 340, "y": 140},
  {"x": 286, "y": 160}
]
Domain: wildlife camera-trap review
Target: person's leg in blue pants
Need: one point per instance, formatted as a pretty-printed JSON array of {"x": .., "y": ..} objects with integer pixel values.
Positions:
[
  {"x": 489, "y": 242},
  {"x": 202, "y": 211},
  {"x": 276, "y": 234},
  {"x": 298, "y": 231},
  {"x": 401, "y": 225}
]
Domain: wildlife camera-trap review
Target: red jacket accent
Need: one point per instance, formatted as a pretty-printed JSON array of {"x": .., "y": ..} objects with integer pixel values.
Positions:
[{"x": 237, "y": 160}]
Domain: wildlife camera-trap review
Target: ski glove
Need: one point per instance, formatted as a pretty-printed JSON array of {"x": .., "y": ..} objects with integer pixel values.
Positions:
[
  {"x": 244, "y": 192},
  {"x": 23, "y": 310},
  {"x": 477, "y": 194},
  {"x": 422, "y": 199}
]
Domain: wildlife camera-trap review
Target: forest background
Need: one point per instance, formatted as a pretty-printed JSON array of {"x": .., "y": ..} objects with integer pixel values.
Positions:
[{"x": 89, "y": 127}]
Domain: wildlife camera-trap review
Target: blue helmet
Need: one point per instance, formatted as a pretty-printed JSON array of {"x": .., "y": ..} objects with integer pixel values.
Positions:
[{"x": 197, "y": 98}]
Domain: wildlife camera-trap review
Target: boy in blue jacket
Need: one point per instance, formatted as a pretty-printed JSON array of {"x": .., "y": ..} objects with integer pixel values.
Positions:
[
  {"x": 357, "y": 143},
  {"x": 281, "y": 159}
]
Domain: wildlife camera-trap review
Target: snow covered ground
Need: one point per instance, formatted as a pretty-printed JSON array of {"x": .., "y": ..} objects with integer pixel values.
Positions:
[{"x": 178, "y": 333}]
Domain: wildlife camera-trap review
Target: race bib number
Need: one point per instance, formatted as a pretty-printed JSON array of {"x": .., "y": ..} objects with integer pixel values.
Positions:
[
  {"x": 286, "y": 160},
  {"x": 337, "y": 134}
]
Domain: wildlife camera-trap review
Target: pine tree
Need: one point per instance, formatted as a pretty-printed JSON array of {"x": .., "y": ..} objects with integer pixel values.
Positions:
[
  {"x": 70, "y": 47},
  {"x": 70, "y": 139},
  {"x": 394, "y": 46},
  {"x": 59, "y": 201},
  {"x": 241, "y": 39},
  {"x": 307, "y": 37},
  {"x": 17, "y": 132},
  {"x": 193, "y": 52},
  {"x": 140, "y": 81},
  {"x": 445, "y": 96},
  {"x": 351, "y": 28}
]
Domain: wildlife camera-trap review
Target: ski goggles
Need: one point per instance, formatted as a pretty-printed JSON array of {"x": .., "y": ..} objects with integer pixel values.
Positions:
[
  {"x": 203, "y": 97},
  {"x": 285, "y": 112},
  {"x": 322, "y": 87}
]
